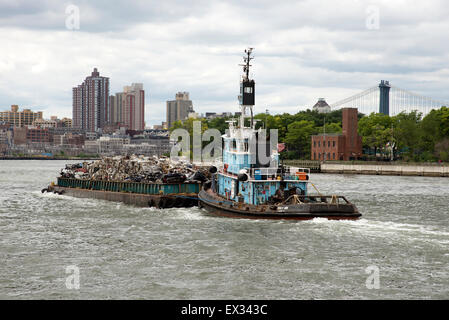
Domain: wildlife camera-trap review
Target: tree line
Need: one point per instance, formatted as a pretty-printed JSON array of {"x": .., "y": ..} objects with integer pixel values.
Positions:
[{"x": 410, "y": 136}]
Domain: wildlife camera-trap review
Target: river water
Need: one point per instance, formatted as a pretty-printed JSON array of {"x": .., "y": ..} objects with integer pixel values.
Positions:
[{"x": 398, "y": 250}]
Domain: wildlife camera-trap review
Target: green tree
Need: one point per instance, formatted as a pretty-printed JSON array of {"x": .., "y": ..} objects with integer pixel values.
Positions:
[
  {"x": 298, "y": 137},
  {"x": 408, "y": 134},
  {"x": 376, "y": 131},
  {"x": 218, "y": 123}
]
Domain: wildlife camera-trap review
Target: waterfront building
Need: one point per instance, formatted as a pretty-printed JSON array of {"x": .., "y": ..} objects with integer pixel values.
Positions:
[
  {"x": 31, "y": 134},
  {"x": 68, "y": 140},
  {"x": 16, "y": 118},
  {"x": 90, "y": 101},
  {"x": 38, "y": 135},
  {"x": 20, "y": 135},
  {"x": 179, "y": 108},
  {"x": 66, "y": 122},
  {"x": 91, "y": 135},
  {"x": 345, "y": 146},
  {"x": 53, "y": 122},
  {"x": 63, "y": 130},
  {"x": 45, "y": 123},
  {"x": 159, "y": 139},
  {"x": 5, "y": 138}
]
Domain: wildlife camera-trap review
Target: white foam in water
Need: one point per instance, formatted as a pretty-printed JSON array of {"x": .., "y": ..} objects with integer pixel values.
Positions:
[
  {"x": 51, "y": 195},
  {"x": 61, "y": 197},
  {"x": 392, "y": 229},
  {"x": 189, "y": 214},
  {"x": 318, "y": 221}
]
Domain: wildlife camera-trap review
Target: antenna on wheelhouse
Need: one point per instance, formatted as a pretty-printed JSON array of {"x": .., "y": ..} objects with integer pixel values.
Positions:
[{"x": 247, "y": 90}]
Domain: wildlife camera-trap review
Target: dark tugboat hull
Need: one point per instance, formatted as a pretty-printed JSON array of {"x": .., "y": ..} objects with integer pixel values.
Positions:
[{"x": 221, "y": 207}]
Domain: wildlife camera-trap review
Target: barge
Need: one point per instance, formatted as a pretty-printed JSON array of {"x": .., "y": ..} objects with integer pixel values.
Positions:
[
  {"x": 159, "y": 195},
  {"x": 246, "y": 186}
]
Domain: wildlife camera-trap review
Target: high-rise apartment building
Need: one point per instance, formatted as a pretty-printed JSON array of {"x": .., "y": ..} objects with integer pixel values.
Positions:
[
  {"x": 91, "y": 103},
  {"x": 133, "y": 107},
  {"x": 127, "y": 108},
  {"x": 115, "y": 108},
  {"x": 179, "y": 109},
  {"x": 16, "y": 118}
]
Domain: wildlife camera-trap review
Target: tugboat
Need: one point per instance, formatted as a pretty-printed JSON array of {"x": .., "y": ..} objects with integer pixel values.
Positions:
[{"x": 244, "y": 186}]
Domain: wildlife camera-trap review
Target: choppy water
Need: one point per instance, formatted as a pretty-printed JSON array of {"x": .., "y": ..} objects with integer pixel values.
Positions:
[{"x": 124, "y": 252}]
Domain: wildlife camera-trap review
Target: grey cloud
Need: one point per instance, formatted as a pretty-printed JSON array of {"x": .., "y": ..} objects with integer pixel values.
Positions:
[
  {"x": 304, "y": 50},
  {"x": 96, "y": 16}
]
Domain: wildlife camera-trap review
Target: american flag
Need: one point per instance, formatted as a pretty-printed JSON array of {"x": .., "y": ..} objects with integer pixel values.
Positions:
[{"x": 281, "y": 147}]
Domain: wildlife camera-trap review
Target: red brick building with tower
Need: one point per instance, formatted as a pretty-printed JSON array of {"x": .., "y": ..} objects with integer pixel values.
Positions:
[{"x": 345, "y": 146}]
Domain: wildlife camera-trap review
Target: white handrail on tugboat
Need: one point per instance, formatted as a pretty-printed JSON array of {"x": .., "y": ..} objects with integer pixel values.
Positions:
[{"x": 272, "y": 173}]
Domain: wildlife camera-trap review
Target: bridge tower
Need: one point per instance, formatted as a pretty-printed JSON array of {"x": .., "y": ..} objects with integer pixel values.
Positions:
[{"x": 384, "y": 101}]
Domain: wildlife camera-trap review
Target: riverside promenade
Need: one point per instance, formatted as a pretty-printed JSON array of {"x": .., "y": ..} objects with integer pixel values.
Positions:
[
  {"x": 374, "y": 168},
  {"x": 387, "y": 169}
]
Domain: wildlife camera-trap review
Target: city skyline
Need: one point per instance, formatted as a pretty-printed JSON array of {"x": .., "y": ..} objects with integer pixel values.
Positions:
[{"x": 304, "y": 51}]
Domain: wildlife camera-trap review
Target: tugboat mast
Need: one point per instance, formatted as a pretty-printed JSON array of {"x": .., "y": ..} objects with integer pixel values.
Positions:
[
  {"x": 247, "y": 60},
  {"x": 247, "y": 90}
]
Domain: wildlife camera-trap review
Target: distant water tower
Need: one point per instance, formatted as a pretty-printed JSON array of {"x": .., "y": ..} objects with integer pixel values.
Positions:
[
  {"x": 321, "y": 106},
  {"x": 384, "y": 101}
]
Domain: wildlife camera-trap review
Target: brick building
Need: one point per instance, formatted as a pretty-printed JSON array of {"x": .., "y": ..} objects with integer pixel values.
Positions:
[
  {"x": 5, "y": 137},
  {"x": 68, "y": 140},
  {"x": 20, "y": 135},
  {"x": 38, "y": 135},
  {"x": 345, "y": 146}
]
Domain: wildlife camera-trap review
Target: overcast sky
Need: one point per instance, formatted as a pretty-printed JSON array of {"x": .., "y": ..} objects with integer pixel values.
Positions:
[{"x": 304, "y": 50}]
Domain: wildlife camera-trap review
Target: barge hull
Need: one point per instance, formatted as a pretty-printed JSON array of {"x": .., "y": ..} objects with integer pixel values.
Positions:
[{"x": 140, "y": 200}]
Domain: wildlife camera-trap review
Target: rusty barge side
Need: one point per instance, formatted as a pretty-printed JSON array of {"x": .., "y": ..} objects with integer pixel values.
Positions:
[{"x": 160, "y": 195}]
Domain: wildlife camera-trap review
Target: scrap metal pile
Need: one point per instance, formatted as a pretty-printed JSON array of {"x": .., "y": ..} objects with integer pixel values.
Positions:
[{"x": 136, "y": 169}]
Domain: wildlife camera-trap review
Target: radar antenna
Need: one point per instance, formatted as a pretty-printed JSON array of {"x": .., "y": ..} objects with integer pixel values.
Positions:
[{"x": 247, "y": 60}]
